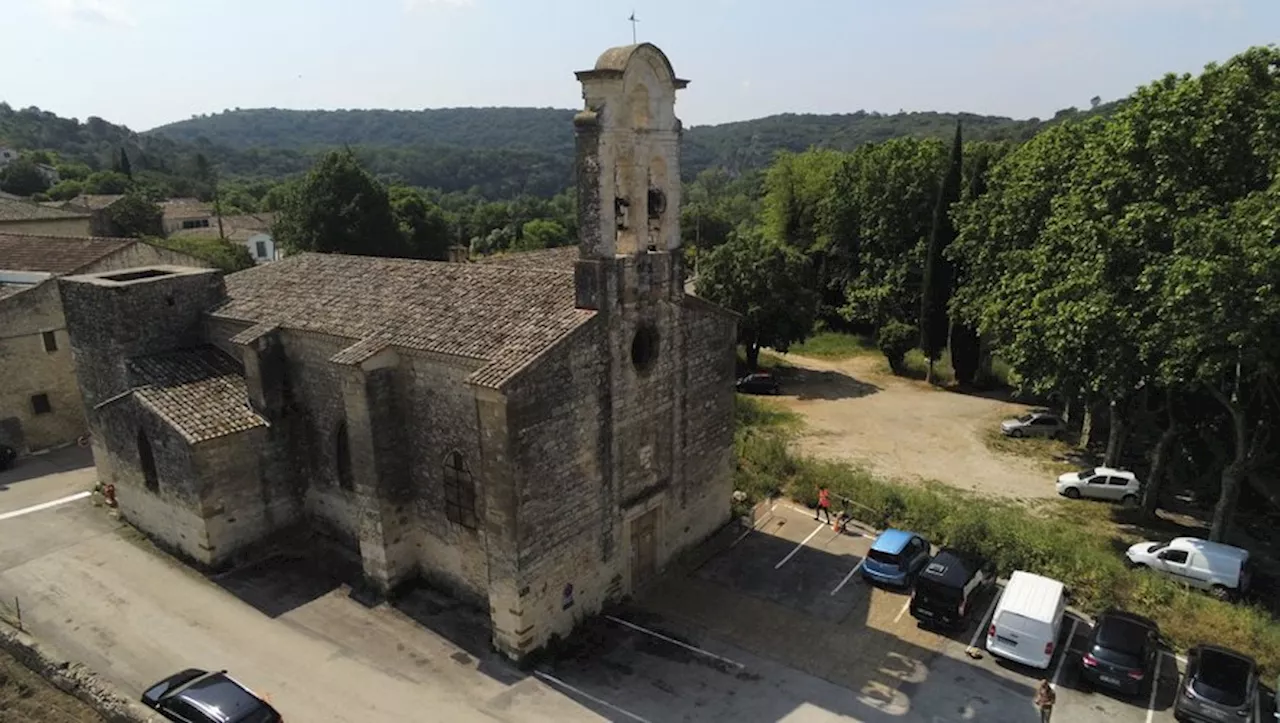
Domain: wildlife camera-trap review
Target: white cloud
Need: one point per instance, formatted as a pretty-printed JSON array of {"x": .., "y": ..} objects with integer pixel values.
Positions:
[{"x": 97, "y": 12}]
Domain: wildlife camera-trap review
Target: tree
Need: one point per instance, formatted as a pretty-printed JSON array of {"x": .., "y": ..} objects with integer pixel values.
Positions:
[
  {"x": 22, "y": 177},
  {"x": 339, "y": 208},
  {"x": 123, "y": 166},
  {"x": 107, "y": 182},
  {"x": 427, "y": 229},
  {"x": 541, "y": 234},
  {"x": 935, "y": 291},
  {"x": 224, "y": 255},
  {"x": 135, "y": 215},
  {"x": 65, "y": 190},
  {"x": 765, "y": 281},
  {"x": 895, "y": 339}
]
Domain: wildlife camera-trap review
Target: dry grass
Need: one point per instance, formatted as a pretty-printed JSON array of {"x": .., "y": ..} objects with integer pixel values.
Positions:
[
  {"x": 27, "y": 698},
  {"x": 1054, "y": 456}
]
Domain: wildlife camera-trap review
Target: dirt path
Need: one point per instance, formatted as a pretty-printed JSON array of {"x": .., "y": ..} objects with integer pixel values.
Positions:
[{"x": 904, "y": 428}]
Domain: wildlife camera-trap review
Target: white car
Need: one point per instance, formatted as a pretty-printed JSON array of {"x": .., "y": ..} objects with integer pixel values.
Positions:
[
  {"x": 1221, "y": 569},
  {"x": 1102, "y": 483}
]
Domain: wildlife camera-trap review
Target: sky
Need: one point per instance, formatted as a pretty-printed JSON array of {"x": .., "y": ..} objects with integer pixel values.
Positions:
[{"x": 144, "y": 63}]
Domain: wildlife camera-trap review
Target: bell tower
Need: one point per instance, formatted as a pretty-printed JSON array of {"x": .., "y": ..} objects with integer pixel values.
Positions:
[{"x": 628, "y": 168}]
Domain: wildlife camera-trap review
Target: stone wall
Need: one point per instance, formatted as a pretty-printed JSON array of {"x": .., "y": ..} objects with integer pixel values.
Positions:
[
  {"x": 28, "y": 369},
  {"x": 239, "y": 507},
  {"x": 48, "y": 227},
  {"x": 443, "y": 419}
]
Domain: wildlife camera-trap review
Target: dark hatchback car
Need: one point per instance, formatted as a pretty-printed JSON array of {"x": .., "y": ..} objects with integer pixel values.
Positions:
[
  {"x": 949, "y": 588},
  {"x": 1121, "y": 652},
  {"x": 198, "y": 696},
  {"x": 759, "y": 383},
  {"x": 1220, "y": 684}
]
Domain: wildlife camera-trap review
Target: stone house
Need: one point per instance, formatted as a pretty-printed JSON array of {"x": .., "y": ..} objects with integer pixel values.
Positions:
[
  {"x": 186, "y": 213},
  {"x": 40, "y": 404},
  {"x": 536, "y": 435},
  {"x": 252, "y": 231},
  {"x": 34, "y": 218}
]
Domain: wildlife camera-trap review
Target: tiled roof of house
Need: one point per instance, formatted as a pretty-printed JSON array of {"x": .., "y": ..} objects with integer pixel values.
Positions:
[
  {"x": 560, "y": 258},
  {"x": 185, "y": 208},
  {"x": 95, "y": 201},
  {"x": 11, "y": 210},
  {"x": 501, "y": 316},
  {"x": 236, "y": 228},
  {"x": 201, "y": 392},
  {"x": 55, "y": 254}
]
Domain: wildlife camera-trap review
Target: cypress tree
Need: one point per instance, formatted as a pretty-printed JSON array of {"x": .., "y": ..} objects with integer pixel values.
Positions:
[
  {"x": 965, "y": 344},
  {"x": 125, "y": 167},
  {"x": 935, "y": 293}
]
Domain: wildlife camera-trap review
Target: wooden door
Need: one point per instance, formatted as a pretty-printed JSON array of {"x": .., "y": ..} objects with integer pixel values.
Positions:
[{"x": 644, "y": 548}]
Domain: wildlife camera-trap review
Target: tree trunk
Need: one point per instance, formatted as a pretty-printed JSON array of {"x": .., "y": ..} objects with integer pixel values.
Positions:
[
  {"x": 1086, "y": 423},
  {"x": 753, "y": 355},
  {"x": 928, "y": 375},
  {"x": 1115, "y": 434},
  {"x": 1233, "y": 474},
  {"x": 1151, "y": 493}
]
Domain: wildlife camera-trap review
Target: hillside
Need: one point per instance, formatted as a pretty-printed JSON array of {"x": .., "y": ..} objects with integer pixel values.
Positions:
[{"x": 547, "y": 131}]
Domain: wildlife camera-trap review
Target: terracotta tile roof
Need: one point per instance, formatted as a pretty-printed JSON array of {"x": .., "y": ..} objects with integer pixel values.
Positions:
[
  {"x": 201, "y": 392},
  {"x": 11, "y": 210},
  {"x": 55, "y": 254},
  {"x": 498, "y": 315},
  {"x": 560, "y": 258},
  {"x": 94, "y": 201}
]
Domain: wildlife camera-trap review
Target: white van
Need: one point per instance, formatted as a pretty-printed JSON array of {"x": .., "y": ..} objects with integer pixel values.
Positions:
[
  {"x": 1221, "y": 569},
  {"x": 1027, "y": 620}
]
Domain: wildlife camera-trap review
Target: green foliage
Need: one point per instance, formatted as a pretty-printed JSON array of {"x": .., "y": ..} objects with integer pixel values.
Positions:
[
  {"x": 768, "y": 284},
  {"x": 339, "y": 208},
  {"x": 427, "y": 230},
  {"x": 22, "y": 177},
  {"x": 65, "y": 190},
  {"x": 225, "y": 255},
  {"x": 107, "y": 182},
  {"x": 834, "y": 345},
  {"x": 73, "y": 171},
  {"x": 936, "y": 286},
  {"x": 135, "y": 215},
  {"x": 1009, "y": 534},
  {"x": 541, "y": 233},
  {"x": 123, "y": 166},
  {"x": 894, "y": 340}
]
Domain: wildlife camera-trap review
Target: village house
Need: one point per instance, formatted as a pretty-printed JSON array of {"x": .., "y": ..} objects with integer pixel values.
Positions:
[
  {"x": 40, "y": 404},
  {"x": 252, "y": 231},
  {"x": 186, "y": 213},
  {"x": 27, "y": 217},
  {"x": 538, "y": 436}
]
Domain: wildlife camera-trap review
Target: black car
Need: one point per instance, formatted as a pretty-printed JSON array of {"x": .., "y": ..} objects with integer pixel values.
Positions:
[
  {"x": 1220, "y": 684},
  {"x": 1121, "y": 652},
  {"x": 7, "y": 456},
  {"x": 759, "y": 383},
  {"x": 198, "y": 696},
  {"x": 949, "y": 586}
]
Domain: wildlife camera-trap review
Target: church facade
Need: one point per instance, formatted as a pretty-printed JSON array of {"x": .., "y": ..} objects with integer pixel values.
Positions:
[{"x": 535, "y": 437}]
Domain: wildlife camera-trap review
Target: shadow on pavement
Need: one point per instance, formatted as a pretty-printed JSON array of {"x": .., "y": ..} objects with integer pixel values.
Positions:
[{"x": 55, "y": 462}]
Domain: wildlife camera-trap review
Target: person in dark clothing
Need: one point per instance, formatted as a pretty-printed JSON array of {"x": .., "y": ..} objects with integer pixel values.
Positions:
[{"x": 1044, "y": 700}]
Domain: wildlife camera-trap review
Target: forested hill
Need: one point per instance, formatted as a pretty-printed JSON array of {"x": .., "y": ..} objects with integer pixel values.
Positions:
[{"x": 735, "y": 146}]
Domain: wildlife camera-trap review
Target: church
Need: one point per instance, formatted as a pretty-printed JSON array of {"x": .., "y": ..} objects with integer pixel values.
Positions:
[{"x": 537, "y": 435}]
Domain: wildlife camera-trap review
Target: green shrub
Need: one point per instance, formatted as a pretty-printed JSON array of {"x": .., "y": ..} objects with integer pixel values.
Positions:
[
  {"x": 833, "y": 345},
  {"x": 1010, "y": 535},
  {"x": 895, "y": 339}
]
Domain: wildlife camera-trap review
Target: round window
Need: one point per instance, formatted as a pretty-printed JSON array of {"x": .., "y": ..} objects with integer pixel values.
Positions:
[{"x": 644, "y": 347}]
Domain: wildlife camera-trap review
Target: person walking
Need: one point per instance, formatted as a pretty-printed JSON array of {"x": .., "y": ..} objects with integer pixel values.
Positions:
[
  {"x": 1044, "y": 700},
  {"x": 824, "y": 504}
]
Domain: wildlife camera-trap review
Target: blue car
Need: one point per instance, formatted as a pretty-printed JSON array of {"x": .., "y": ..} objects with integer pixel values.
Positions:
[{"x": 895, "y": 558}]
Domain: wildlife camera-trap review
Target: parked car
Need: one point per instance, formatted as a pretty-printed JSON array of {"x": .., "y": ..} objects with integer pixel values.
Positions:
[
  {"x": 759, "y": 383},
  {"x": 1033, "y": 424},
  {"x": 1121, "y": 652},
  {"x": 895, "y": 558},
  {"x": 947, "y": 588},
  {"x": 1027, "y": 620},
  {"x": 1102, "y": 483},
  {"x": 1220, "y": 684},
  {"x": 1221, "y": 569},
  {"x": 198, "y": 696}
]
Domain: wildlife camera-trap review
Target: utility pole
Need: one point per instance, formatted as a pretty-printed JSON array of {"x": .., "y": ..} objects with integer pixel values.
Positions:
[{"x": 633, "y": 20}]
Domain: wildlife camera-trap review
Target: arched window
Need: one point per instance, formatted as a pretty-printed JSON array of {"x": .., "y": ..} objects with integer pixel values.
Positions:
[
  {"x": 459, "y": 492},
  {"x": 147, "y": 460},
  {"x": 342, "y": 457}
]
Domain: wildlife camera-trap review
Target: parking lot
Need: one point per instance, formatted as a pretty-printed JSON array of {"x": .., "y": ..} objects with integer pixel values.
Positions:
[{"x": 777, "y": 624}]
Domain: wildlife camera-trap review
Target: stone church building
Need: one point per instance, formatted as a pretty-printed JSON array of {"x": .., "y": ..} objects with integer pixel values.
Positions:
[{"x": 537, "y": 438}]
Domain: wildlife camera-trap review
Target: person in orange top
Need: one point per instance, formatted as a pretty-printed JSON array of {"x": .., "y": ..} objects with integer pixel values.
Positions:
[{"x": 824, "y": 504}]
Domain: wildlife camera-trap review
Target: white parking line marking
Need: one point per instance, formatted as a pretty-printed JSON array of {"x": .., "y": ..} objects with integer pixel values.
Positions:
[
  {"x": 44, "y": 505},
  {"x": 901, "y": 612},
  {"x": 846, "y": 579},
  {"x": 1155, "y": 688},
  {"x": 673, "y": 641},
  {"x": 588, "y": 696},
  {"x": 1057, "y": 672},
  {"x": 803, "y": 542},
  {"x": 982, "y": 625}
]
